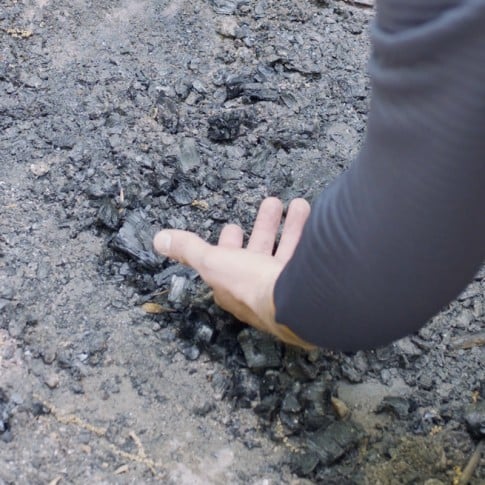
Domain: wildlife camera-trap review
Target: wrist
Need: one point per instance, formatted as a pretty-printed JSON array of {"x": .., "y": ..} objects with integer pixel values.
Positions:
[{"x": 281, "y": 331}]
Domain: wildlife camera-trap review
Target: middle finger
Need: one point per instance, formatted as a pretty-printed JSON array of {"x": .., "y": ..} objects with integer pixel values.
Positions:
[{"x": 266, "y": 226}]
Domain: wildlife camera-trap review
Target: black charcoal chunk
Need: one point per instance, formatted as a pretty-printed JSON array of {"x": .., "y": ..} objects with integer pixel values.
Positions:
[
  {"x": 191, "y": 352},
  {"x": 312, "y": 421},
  {"x": 204, "y": 334},
  {"x": 398, "y": 406},
  {"x": 261, "y": 351},
  {"x": 350, "y": 372},
  {"x": 316, "y": 394},
  {"x": 333, "y": 442},
  {"x": 297, "y": 366},
  {"x": 306, "y": 66},
  {"x": 161, "y": 185},
  {"x": 178, "y": 289},
  {"x": 197, "y": 326},
  {"x": 248, "y": 88},
  {"x": 226, "y": 7},
  {"x": 407, "y": 348},
  {"x": 258, "y": 163},
  {"x": 39, "y": 409},
  {"x": 290, "y": 403},
  {"x": 167, "y": 113},
  {"x": 475, "y": 420},
  {"x": 164, "y": 277},
  {"x": 221, "y": 383},
  {"x": 225, "y": 126},
  {"x": 304, "y": 464},
  {"x": 270, "y": 383},
  {"x": 135, "y": 240},
  {"x": 315, "y": 399},
  {"x": 254, "y": 92},
  {"x": 227, "y": 347},
  {"x": 5, "y": 410},
  {"x": 245, "y": 387},
  {"x": 184, "y": 194},
  {"x": 234, "y": 84},
  {"x": 290, "y": 421},
  {"x": 108, "y": 214},
  {"x": 263, "y": 73},
  {"x": 99, "y": 190},
  {"x": 182, "y": 191},
  {"x": 268, "y": 407},
  {"x": 189, "y": 158}
]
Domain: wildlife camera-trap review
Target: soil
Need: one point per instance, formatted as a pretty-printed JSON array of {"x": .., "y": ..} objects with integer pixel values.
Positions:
[{"x": 121, "y": 117}]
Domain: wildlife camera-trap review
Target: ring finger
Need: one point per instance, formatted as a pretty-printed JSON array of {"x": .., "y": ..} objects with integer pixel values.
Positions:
[{"x": 231, "y": 236}]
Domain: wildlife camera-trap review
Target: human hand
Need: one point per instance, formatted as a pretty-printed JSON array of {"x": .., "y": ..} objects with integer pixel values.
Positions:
[{"x": 243, "y": 279}]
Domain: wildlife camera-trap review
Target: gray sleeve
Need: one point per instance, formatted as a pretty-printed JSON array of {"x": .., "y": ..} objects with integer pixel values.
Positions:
[{"x": 402, "y": 232}]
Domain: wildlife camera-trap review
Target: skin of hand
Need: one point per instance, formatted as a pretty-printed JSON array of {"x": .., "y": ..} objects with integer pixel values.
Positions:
[{"x": 243, "y": 279}]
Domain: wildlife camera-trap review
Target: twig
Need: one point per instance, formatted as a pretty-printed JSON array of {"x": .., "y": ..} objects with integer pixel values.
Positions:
[
  {"x": 472, "y": 464},
  {"x": 468, "y": 341},
  {"x": 71, "y": 419},
  {"x": 141, "y": 450},
  {"x": 140, "y": 457}
]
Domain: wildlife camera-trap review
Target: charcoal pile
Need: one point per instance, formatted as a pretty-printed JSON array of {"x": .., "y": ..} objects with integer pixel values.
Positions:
[{"x": 294, "y": 393}]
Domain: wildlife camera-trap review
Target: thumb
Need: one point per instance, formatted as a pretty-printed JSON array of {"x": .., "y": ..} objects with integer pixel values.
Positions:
[{"x": 184, "y": 246}]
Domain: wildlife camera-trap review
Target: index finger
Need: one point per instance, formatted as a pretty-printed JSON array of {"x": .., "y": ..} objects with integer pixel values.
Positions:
[{"x": 184, "y": 246}]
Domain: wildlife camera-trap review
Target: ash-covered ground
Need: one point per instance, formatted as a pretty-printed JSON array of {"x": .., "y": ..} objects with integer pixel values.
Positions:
[{"x": 121, "y": 117}]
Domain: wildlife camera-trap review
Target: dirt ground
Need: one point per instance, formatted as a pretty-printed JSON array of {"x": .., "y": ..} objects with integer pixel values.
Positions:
[{"x": 140, "y": 114}]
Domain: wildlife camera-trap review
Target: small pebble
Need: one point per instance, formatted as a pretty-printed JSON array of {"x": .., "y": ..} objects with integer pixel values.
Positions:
[
  {"x": 39, "y": 169},
  {"x": 16, "y": 328},
  {"x": 52, "y": 381},
  {"x": 204, "y": 410},
  {"x": 49, "y": 355},
  {"x": 191, "y": 352},
  {"x": 227, "y": 27}
]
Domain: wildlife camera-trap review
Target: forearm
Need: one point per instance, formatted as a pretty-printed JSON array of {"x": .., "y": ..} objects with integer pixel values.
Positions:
[{"x": 402, "y": 232}]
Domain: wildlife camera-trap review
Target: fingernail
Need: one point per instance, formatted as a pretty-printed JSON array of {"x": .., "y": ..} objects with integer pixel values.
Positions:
[{"x": 164, "y": 241}]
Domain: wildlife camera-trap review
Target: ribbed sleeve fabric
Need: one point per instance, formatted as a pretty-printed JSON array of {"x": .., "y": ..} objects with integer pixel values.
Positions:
[{"x": 401, "y": 233}]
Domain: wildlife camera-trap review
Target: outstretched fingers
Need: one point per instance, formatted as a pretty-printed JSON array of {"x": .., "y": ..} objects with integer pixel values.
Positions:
[{"x": 298, "y": 212}]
